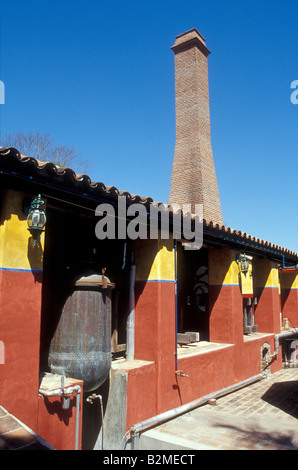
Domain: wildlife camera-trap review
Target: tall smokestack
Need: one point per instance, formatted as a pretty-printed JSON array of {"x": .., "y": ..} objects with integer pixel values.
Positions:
[{"x": 193, "y": 175}]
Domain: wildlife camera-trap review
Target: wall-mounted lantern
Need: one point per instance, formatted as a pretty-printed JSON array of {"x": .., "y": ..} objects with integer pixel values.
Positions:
[
  {"x": 36, "y": 219},
  {"x": 243, "y": 263}
]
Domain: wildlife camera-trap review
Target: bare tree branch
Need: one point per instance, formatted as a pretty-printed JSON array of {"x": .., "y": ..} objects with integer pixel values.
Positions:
[{"x": 43, "y": 148}]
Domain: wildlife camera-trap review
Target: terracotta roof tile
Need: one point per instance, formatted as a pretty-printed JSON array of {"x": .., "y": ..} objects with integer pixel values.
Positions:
[{"x": 11, "y": 159}]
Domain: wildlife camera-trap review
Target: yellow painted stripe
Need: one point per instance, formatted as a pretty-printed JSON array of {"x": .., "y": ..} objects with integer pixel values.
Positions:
[
  {"x": 266, "y": 274},
  {"x": 289, "y": 280},
  {"x": 155, "y": 260},
  {"x": 247, "y": 281},
  {"x": 223, "y": 268},
  {"x": 16, "y": 247}
]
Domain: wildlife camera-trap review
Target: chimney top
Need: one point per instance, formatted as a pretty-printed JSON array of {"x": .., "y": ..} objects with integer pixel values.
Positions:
[
  {"x": 191, "y": 38},
  {"x": 193, "y": 174}
]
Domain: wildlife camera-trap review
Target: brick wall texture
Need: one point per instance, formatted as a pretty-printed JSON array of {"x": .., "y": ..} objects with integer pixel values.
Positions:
[{"x": 193, "y": 174}]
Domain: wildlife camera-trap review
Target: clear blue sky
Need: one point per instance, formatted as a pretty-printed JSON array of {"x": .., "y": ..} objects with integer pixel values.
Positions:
[{"x": 99, "y": 76}]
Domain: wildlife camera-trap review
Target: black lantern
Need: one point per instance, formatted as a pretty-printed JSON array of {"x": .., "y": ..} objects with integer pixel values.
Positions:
[
  {"x": 36, "y": 219},
  {"x": 243, "y": 263},
  {"x": 244, "y": 266}
]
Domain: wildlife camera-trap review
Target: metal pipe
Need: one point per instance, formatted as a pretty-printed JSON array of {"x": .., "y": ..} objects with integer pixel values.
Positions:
[
  {"x": 287, "y": 267},
  {"x": 91, "y": 399},
  {"x": 136, "y": 429},
  {"x": 102, "y": 424},
  {"x": 283, "y": 334},
  {"x": 66, "y": 397},
  {"x": 78, "y": 405},
  {"x": 124, "y": 256},
  {"x": 176, "y": 307},
  {"x": 68, "y": 391},
  {"x": 130, "y": 324}
]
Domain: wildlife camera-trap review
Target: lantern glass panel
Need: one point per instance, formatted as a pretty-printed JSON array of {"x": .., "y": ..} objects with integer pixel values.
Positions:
[
  {"x": 244, "y": 266},
  {"x": 36, "y": 219}
]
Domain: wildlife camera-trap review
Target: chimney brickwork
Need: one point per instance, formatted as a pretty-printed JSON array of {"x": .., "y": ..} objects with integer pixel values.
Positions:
[{"x": 193, "y": 176}]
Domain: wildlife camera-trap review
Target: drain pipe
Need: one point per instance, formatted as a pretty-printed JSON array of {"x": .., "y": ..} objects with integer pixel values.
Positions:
[
  {"x": 130, "y": 324},
  {"x": 91, "y": 399},
  {"x": 176, "y": 308},
  {"x": 287, "y": 267},
  {"x": 173, "y": 413},
  {"x": 283, "y": 334},
  {"x": 67, "y": 393},
  {"x": 124, "y": 256}
]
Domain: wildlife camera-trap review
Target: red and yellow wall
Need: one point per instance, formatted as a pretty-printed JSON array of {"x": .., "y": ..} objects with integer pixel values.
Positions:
[
  {"x": 267, "y": 288},
  {"x": 154, "y": 329},
  {"x": 289, "y": 297},
  {"x": 155, "y": 387},
  {"x": 20, "y": 310},
  {"x": 225, "y": 298},
  {"x": 21, "y": 268}
]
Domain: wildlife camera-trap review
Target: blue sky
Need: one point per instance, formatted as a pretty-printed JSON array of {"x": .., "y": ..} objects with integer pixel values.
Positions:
[{"x": 99, "y": 76}]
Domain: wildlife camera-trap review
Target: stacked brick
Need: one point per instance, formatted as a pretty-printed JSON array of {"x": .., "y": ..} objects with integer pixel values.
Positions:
[{"x": 193, "y": 176}]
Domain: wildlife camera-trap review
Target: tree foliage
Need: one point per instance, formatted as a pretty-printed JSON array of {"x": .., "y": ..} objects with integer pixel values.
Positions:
[{"x": 43, "y": 148}]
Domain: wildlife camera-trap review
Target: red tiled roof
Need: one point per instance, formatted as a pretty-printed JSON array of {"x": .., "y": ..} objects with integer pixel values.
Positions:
[{"x": 11, "y": 159}]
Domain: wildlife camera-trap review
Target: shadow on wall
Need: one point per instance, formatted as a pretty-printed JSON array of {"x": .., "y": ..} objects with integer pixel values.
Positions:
[
  {"x": 92, "y": 417},
  {"x": 145, "y": 252},
  {"x": 193, "y": 291},
  {"x": 286, "y": 289},
  {"x": 35, "y": 258},
  {"x": 54, "y": 407},
  {"x": 217, "y": 279},
  {"x": 261, "y": 276},
  {"x": 18, "y": 244}
]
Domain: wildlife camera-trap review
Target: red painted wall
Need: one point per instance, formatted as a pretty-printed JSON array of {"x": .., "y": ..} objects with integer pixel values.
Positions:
[
  {"x": 58, "y": 426},
  {"x": 289, "y": 301},
  {"x": 20, "y": 310},
  {"x": 151, "y": 393},
  {"x": 207, "y": 372},
  {"x": 141, "y": 394},
  {"x": 267, "y": 312},
  {"x": 154, "y": 320},
  {"x": 226, "y": 317},
  {"x": 20, "y": 306},
  {"x": 155, "y": 337}
]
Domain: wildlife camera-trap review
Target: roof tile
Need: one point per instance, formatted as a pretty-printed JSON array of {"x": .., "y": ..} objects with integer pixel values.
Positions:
[{"x": 10, "y": 158}]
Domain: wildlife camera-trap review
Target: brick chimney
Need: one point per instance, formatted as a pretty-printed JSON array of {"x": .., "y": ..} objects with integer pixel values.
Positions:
[{"x": 193, "y": 175}]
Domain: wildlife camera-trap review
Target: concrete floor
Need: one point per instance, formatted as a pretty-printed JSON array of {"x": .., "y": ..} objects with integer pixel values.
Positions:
[
  {"x": 14, "y": 435},
  {"x": 261, "y": 416}
]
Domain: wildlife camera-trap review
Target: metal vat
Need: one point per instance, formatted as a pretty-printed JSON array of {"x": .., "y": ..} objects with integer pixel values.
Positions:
[{"x": 81, "y": 345}]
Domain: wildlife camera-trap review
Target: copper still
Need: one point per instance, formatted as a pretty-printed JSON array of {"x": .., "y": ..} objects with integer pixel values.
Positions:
[{"x": 81, "y": 345}]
